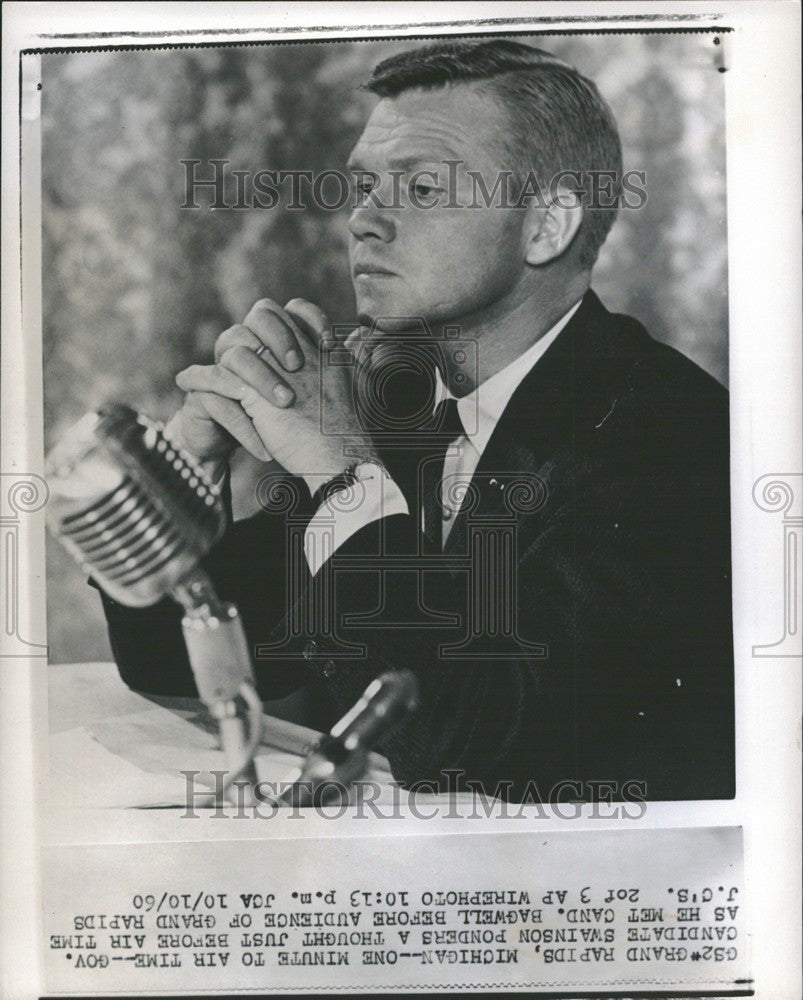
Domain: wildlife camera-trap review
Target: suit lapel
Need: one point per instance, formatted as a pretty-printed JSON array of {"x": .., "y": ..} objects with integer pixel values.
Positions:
[{"x": 569, "y": 390}]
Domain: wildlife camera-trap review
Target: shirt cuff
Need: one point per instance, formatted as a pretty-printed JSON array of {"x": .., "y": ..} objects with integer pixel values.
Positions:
[{"x": 344, "y": 513}]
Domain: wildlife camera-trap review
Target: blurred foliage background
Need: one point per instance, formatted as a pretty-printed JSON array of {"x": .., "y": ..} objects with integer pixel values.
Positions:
[{"x": 135, "y": 288}]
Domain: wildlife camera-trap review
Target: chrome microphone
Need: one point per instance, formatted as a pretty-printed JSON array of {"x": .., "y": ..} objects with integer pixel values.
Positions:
[
  {"x": 341, "y": 757},
  {"x": 138, "y": 514},
  {"x": 134, "y": 510}
]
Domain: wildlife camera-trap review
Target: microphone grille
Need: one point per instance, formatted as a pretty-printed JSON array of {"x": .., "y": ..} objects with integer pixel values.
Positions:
[{"x": 135, "y": 511}]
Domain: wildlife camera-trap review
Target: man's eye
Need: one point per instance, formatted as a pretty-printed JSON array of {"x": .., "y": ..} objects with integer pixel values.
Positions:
[
  {"x": 422, "y": 188},
  {"x": 364, "y": 186}
]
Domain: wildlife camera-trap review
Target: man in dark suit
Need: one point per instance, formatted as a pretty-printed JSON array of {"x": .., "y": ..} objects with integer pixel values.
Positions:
[{"x": 496, "y": 483}]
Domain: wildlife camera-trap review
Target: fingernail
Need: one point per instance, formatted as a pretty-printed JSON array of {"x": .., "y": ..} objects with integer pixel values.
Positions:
[
  {"x": 293, "y": 359},
  {"x": 283, "y": 394}
]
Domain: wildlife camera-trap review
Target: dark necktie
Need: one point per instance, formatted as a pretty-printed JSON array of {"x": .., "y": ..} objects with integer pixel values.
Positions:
[{"x": 445, "y": 428}]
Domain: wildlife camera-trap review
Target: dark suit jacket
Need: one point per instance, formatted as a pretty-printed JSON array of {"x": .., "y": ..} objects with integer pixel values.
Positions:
[{"x": 577, "y": 626}]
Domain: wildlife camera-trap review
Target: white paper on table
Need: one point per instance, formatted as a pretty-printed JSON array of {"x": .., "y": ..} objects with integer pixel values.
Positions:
[{"x": 145, "y": 771}]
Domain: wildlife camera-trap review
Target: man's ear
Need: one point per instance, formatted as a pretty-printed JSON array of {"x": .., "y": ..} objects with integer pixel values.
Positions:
[{"x": 549, "y": 230}]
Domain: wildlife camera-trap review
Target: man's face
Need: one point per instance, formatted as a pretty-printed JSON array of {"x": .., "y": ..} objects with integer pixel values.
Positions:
[{"x": 439, "y": 263}]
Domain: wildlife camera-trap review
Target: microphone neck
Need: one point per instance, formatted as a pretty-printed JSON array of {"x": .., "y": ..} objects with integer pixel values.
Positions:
[{"x": 195, "y": 592}]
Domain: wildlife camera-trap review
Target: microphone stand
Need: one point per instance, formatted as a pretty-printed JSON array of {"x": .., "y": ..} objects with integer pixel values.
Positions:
[{"x": 221, "y": 665}]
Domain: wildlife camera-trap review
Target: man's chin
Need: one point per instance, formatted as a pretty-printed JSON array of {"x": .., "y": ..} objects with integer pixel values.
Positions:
[{"x": 392, "y": 322}]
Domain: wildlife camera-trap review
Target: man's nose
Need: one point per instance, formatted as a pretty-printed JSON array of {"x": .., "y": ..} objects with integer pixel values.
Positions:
[{"x": 372, "y": 219}]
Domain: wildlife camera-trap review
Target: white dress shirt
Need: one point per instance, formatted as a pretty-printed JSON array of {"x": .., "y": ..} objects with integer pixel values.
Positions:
[{"x": 338, "y": 518}]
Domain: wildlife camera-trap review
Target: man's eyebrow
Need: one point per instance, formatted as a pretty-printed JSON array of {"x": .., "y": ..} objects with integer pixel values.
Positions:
[
  {"x": 406, "y": 162},
  {"x": 400, "y": 162}
]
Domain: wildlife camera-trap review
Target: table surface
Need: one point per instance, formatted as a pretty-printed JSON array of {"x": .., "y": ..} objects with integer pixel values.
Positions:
[{"x": 93, "y": 699}]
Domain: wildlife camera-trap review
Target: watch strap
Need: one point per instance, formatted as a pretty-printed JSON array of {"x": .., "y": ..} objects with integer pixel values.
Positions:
[{"x": 344, "y": 480}]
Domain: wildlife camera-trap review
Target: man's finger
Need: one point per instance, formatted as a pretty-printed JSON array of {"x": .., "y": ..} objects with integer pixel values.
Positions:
[
  {"x": 231, "y": 416},
  {"x": 310, "y": 318},
  {"x": 259, "y": 412},
  {"x": 360, "y": 345},
  {"x": 210, "y": 378},
  {"x": 279, "y": 332},
  {"x": 256, "y": 373},
  {"x": 234, "y": 336},
  {"x": 352, "y": 342},
  {"x": 239, "y": 369}
]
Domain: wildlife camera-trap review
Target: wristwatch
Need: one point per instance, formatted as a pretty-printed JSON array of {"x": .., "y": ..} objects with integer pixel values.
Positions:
[{"x": 358, "y": 472}]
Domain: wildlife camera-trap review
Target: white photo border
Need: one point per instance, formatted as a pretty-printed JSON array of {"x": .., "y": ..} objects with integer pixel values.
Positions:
[{"x": 763, "y": 184}]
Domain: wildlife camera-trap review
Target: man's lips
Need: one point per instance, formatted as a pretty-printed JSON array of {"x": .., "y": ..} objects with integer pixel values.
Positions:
[{"x": 369, "y": 269}]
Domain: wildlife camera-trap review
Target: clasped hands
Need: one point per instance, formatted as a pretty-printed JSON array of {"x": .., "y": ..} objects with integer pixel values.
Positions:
[{"x": 268, "y": 391}]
